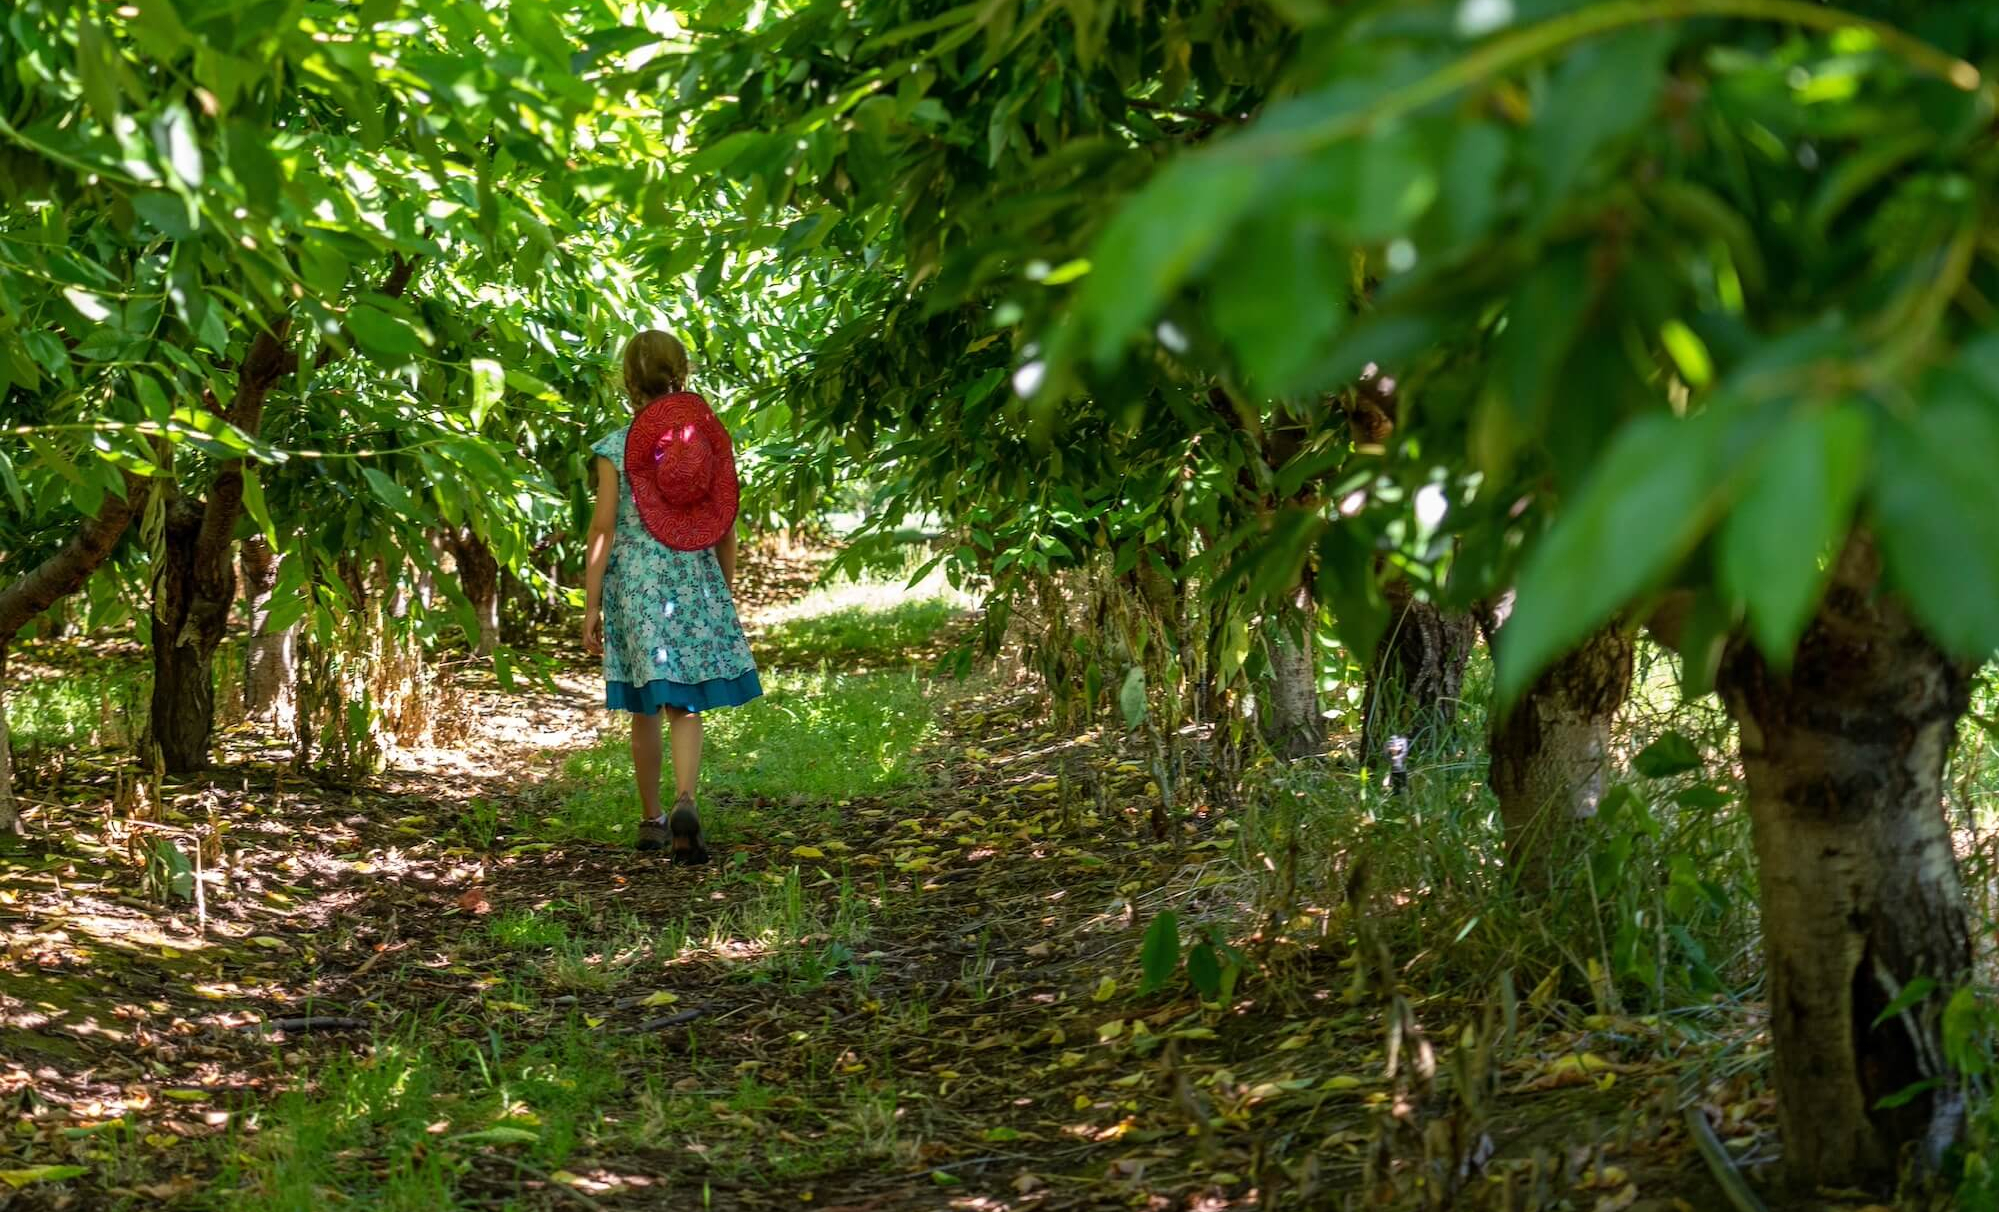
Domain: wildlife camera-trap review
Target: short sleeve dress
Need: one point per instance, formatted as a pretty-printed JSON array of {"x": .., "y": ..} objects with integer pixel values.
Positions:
[{"x": 671, "y": 635}]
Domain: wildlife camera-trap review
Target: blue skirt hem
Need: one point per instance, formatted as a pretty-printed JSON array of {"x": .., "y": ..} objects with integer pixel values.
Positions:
[{"x": 701, "y": 696}]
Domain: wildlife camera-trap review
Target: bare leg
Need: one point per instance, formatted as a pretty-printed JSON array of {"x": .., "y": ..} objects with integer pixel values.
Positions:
[
  {"x": 686, "y": 727},
  {"x": 646, "y": 762}
]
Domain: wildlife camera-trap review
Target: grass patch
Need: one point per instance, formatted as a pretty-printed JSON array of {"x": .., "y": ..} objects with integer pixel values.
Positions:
[
  {"x": 526, "y": 930},
  {"x": 819, "y": 737},
  {"x": 103, "y": 702},
  {"x": 542, "y": 1102},
  {"x": 869, "y": 621}
]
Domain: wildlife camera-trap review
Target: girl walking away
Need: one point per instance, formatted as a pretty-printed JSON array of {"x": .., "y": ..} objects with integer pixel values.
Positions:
[{"x": 662, "y": 561}]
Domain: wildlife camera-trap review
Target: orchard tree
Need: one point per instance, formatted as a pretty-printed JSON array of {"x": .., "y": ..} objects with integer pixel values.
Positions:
[
  {"x": 1693, "y": 291},
  {"x": 339, "y": 276}
]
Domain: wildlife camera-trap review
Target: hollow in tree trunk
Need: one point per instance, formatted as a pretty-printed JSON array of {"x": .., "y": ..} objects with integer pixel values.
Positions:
[
  {"x": 1550, "y": 752},
  {"x": 1417, "y": 675},
  {"x": 270, "y": 664},
  {"x": 1292, "y": 724},
  {"x": 1844, "y": 758}
]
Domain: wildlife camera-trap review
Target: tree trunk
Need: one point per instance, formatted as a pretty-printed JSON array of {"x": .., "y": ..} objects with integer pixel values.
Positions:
[
  {"x": 1550, "y": 753},
  {"x": 1844, "y": 759},
  {"x": 196, "y": 585},
  {"x": 187, "y": 625},
  {"x": 270, "y": 664},
  {"x": 1292, "y": 724},
  {"x": 1417, "y": 675},
  {"x": 479, "y": 577}
]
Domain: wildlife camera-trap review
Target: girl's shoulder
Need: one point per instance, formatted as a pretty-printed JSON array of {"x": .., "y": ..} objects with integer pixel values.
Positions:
[{"x": 612, "y": 445}]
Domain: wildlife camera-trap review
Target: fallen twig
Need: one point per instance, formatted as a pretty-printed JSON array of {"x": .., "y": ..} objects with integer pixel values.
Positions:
[{"x": 677, "y": 1018}]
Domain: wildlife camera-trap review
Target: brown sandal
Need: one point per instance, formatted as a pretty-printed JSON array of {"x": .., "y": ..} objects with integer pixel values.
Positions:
[{"x": 684, "y": 826}]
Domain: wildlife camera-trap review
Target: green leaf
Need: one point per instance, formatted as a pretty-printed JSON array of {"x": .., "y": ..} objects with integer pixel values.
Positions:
[
  {"x": 96, "y": 65},
  {"x": 501, "y": 1134},
  {"x": 1907, "y": 1094},
  {"x": 1602, "y": 92},
  {"x": 42, "y": 1174},
  {"x": 392, "y": 494},
  {"x": 1131, "y": 698},
  {"x": 174, "y": 139},
  {"x": 170, "y": 213},
  {"x": 1918, "y": 988},
  {"x": 1936, "y": 516},
  {"x": 1649, "y": 499},
  {"x": 390, "y": 338},
  {"x": 1671, "y": 754},
  {"x": 13, "y": 484},
  {"x": 1204, "y": 970},
  {"x": 1159, "y": 955},
  {"x": 289, "y": 600},
  {"x": 488, "y": 382},
  {"x": 1795, "y": 509},
  {"x": 253, "y": 504},
  {"x": 1157, "y": 241}
]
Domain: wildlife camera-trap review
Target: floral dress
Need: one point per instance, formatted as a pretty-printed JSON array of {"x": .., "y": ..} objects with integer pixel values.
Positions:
[{"x": 671, "y": 636}]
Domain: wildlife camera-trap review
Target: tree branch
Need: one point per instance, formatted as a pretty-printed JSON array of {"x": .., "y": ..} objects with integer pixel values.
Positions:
[{"x": 64, "y": 572}]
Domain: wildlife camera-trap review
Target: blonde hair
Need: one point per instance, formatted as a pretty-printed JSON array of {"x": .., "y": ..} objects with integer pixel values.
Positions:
[{"x": 655, "y": 365}]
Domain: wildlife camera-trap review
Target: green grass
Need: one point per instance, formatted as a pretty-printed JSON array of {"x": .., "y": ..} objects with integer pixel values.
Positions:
[
  {"x": 546, "y": 1099},
  {"x": 817, "y": 737},
  {"x": 870, "y": 621},
  {"x": 103, "y": 702},
  {"x": 526, "y": 930}
]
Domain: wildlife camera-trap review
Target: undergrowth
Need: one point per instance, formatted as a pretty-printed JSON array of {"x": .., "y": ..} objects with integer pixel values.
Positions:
[
  {"x": 424, "y": 1103},
  {"x": 821, "y": 737}
]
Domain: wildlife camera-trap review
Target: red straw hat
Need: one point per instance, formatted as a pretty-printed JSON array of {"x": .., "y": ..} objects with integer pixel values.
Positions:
[{"x": 682, "y": 471}]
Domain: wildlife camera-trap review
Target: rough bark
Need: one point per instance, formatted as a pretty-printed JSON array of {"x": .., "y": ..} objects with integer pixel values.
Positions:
[
  {"x": 479, "y": 577},
  {"x": 1550, "y": 753},
  {"x": 1417, "y": 675},
  {"x": 1844, "y": 758},
  {"x": 270, "y": 664},
  {"x": 195, "y": 585},
  {"x": 1292, "y": 724},
  {"x": 47, "y": 583}
]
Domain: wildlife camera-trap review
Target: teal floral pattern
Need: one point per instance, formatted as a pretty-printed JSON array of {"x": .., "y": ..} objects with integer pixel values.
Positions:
[{"x": 668, "y": 616}]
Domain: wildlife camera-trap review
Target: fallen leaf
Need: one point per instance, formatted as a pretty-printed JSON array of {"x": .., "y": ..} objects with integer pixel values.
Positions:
[
  {"x": 501, "y": 1135},
  {"x": 1106, "y": 1032},
  {"x": 270, "y": 944},
  {"x": 1106, "y": 990},
  {"x": 41, "y": 1174},
  {"x": 807, "y": 852},
  {"x": 473, "y": 900},
  {"x": 1025, "y": 1182},
  {"x": 662, "y": 998},
  {"x": 1620, "y": 1201}
]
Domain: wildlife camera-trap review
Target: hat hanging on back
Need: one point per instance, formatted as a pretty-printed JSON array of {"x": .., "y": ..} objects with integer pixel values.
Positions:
[{"x": 682, "y": 471}]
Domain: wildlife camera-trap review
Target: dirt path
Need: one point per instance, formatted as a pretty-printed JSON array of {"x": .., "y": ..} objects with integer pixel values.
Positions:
[{"x": 414, "y": 993}]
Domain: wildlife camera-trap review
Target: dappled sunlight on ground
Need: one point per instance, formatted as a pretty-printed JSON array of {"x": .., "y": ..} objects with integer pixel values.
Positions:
[{"x": 927, "y": 984}]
